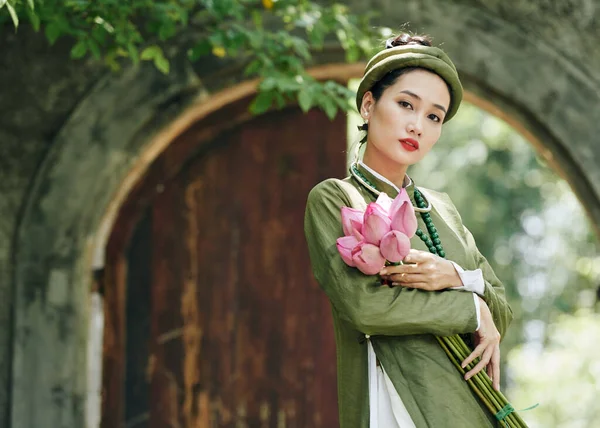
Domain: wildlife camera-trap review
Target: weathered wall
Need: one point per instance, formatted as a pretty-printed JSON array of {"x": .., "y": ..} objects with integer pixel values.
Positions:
[
  {"x": 39, "y": 87},
  {"x": 69, "y": 134}
]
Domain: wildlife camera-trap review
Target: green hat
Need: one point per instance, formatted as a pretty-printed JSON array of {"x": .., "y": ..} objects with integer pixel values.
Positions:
[{"x": 427, "y": 57}]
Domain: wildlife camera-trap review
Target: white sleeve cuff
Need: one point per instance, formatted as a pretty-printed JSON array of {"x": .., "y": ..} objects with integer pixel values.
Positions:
[
  {"x": 478, "y": 309},
  {"x": 472, "y": 280}
]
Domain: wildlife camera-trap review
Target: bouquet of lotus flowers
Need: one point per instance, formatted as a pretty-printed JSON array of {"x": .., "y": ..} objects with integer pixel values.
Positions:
[
  {"x": 380, "y": 236},
  {"x": 381, "y": 233}
]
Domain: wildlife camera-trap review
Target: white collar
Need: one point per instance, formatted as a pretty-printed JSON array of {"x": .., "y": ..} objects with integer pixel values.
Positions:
[{"x": 381, "y": 177}]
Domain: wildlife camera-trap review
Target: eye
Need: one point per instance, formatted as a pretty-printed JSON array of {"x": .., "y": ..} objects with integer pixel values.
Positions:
[
  {"x": 434, "y": 117},
  {"x": 405, "y": 104}
]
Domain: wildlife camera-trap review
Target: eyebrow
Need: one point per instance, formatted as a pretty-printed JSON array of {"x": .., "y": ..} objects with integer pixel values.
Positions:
[{"x": 412, "y": 94}]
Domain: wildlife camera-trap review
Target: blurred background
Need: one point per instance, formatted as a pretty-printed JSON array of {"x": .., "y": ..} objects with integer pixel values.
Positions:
[{"x": 155, "y": 158}]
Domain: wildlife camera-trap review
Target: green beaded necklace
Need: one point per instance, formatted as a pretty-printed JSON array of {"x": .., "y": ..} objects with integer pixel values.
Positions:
[{"x": 433, "y": 242}]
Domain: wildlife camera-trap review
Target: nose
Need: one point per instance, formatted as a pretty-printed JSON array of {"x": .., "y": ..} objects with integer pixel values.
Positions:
[{"x": 414, "y": 126}]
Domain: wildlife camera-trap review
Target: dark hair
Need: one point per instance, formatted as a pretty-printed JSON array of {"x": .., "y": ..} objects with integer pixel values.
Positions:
[{"x": 389, "y": 79}]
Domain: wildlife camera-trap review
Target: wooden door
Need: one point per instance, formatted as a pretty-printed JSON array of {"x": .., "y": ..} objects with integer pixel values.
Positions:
[{"x": 213, "y": 316}]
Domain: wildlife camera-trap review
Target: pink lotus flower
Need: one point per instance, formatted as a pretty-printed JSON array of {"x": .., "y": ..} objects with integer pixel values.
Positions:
[
  {"x": 381, "y": 233},
  {"x": 345, "y": 246},
  {"x": 403, "y": 215},
  {"x": 376, "y": 223},
  {"x": 394, "y": 246},
  {"x": 398, "y": 201},
  {"x": 368, "y": 258},
  {"x": 385, "y": 202},
  {"x": 352, "y": 221}
]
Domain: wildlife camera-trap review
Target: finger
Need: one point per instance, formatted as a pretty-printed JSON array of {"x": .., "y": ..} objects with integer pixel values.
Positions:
[
  {"x": 391, "y": 270},
  {"x": 419, "y": 285},
  {"x": 476, "y": 353},
  {"x": 496, "y": 368},
  {"x": 417, "y": 256},
  {"x": 485, "y": 359},
  {"x": 407, "y": 277}
]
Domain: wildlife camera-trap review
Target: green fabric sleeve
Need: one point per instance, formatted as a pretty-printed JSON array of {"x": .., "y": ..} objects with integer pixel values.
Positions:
[
  {"x": 360, "y": 299},
  {"x": 494, "y": 294}
]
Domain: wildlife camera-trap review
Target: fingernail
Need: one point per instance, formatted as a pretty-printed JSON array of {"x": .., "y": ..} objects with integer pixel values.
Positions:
[
  {"x": 395, "y": 284},
  {"x": 383, "y": 272}
]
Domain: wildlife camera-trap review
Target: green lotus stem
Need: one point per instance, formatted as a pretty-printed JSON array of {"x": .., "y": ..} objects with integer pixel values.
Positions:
[
  {"x": 449, "y": 348},
  {"x": 478, "y": 380},
  {"x": 498, "y": 397},
  {"x": 461, "y": 370},
  {"x": 455, "y": 348},
  {"x": 481, "y": 376},
  {"x": 498, "y": 394}
]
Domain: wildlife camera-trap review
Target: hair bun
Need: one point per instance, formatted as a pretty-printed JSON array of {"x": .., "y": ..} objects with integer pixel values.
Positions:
[{"x": 404, "y": 39}]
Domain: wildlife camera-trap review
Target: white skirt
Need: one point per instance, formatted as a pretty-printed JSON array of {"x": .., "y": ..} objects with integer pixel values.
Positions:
[{"x": 385, "y": 405}]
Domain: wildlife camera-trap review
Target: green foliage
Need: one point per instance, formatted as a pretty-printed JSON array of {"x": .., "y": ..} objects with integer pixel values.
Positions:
[
  {"x": 274, "y": 38},
  {"x": 563, "y": 376}
]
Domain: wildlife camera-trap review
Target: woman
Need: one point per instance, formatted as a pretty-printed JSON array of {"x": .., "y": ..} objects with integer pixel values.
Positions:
[{"x": 391, "y": 370}]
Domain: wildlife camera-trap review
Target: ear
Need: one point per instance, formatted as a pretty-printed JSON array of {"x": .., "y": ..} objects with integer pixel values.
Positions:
[{"x": 367, "y": 105}]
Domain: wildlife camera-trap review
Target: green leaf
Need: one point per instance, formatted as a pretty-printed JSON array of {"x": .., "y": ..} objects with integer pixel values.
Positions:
[
  {"x": 257, "y": 18},
  {"x": 79, "y": 50},
  {"x": 132, "y": 50},
  {"x": 217, "y": 39},
  {"x": 162, "y": 64},
  {"x": 34, "y": 20},
  {"x": 111, "y": 60},
  {"x": 280, "y": 100},
  {"x": 301, "y": 48},
  {"x": 151, "y": 52},
  {"x": 344, "y": 103},
  {"x": 256, "y": 39},
  {"x": 201, "y": 49},
  {"x": 328, "y": 104},
  {"x": 98, "y": 34},
  {"x": 353, "y": 54},
  {"x": 253, "y": 68},
  {"x": 305, "y": 100},
  {"x": 166, "y": 31},
  {"x": 316, "y": 35},
  {"x": 289, "y": 84},
  {"x": 262, "y": 102},
  {"x": 268, "y": 84},
  {"x": 53, "y": 32},
  {"x": 94, "y": 48},
  {"x": 31, "y": 4},
  {"x": 13, "y": 14}
]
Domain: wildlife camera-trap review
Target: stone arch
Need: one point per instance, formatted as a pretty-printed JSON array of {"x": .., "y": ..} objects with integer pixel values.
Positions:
[{"x": 109, "y": 139}]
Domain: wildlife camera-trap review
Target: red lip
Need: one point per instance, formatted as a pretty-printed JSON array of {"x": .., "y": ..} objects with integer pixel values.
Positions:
[{"x": 409, "y": 144}]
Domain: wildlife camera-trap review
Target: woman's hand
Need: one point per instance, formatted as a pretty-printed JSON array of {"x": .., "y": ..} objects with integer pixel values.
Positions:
[
  {"x": 425, "y": 270},
  {"x": 487, "y": 341}
]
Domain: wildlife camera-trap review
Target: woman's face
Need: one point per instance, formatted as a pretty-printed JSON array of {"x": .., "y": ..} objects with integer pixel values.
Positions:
[{"x": 406, "y": 121}]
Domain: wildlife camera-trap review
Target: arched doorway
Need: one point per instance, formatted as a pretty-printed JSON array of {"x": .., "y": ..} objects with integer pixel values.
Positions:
[
  {"x": 213, "y": 318},
  {"x": 86, "y": 176}
]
